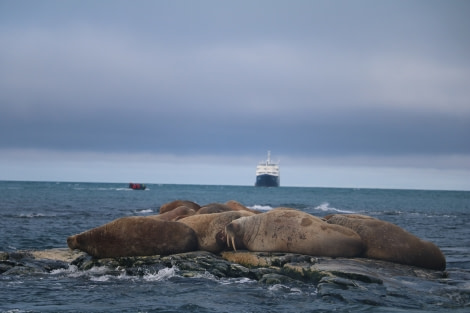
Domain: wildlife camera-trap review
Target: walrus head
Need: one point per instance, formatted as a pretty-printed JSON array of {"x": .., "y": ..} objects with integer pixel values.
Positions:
[
  {"x": 234, "y": 233},
  {"x": 72, "y": 242},
  {"x": 230, "y": 231}
]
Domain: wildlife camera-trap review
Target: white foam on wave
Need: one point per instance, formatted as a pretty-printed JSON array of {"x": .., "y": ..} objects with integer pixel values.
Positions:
[
  {"x": 96, "y": 273},
  {"x": 163, "y": 274},
  {"x": 260, "y": 207},
  {"x": 71, "y": 269},
  {"x": 100, "y": 278},
  {"x": 206, "y": 275},
  {"x": 325, "y": 207},
  {"x": 74, "y": 272},
  {"x": 104, "y": 274},
  {"x": 144, "y": 211},
  {"x": 285, "y": 289},
  {"x": 32, "y": 215},
  {"x": 241, "y": 280}
]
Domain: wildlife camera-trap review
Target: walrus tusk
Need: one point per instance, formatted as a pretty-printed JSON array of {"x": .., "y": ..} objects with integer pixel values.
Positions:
[
  {"x": 232, "y": 239},
  {"x": 233, "y": 243}
]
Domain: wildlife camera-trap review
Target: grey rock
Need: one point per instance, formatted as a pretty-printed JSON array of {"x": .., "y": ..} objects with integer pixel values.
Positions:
[{"x": 354, "y": 280}]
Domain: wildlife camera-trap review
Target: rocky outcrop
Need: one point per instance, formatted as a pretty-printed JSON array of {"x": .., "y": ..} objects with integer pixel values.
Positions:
[
  {"x": 253, "y": 265},
  {"x": 345, "y": 279},
  {"x": 36, "y": 262}
]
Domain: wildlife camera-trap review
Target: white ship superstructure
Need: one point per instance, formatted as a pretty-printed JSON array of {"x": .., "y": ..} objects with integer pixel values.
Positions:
[{"x": 267, "y": 173}]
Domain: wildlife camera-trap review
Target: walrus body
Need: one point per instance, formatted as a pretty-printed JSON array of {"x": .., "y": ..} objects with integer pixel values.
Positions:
[
  {"x": 389, "y": 242},
  {"x": 237, "y": 206},
  {"x": 210, "y": 228},
  {"x": 135, "y": 236},
  {"x": 295, "y": 232},
  {"x": 214, "y": 208},
  {"x": 177, "y": 203},
  {"x": 174, "y": 214}
]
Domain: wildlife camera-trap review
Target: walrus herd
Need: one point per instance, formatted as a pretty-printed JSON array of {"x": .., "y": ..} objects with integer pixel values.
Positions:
[{"x": 183, "y": 226}]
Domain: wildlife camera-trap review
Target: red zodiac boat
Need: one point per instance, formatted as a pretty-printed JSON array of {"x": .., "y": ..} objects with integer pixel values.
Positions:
[{"x": 137, "y": 186}]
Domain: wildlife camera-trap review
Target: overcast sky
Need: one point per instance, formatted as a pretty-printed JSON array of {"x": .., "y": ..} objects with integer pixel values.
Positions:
[{"x": 343, "y": 93}]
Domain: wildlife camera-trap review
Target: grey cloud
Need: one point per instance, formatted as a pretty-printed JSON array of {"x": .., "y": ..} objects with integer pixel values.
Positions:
[
  {"x": 310, "y": 78},
  {"x": 345, "y": 133}
]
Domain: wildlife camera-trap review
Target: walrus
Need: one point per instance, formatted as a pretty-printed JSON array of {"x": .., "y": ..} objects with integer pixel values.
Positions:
[
  {"x": 177, "y": 203},
  {"x": 237, "y": 206},
  {"x": 175, "y": 214},
  {"x": 293, "y": 231},
  {"x": 214, "y": 208},
  {"x": 389, "y": 242},
  {"x": 210, "y": 228},
  {"x": 135, "y": 236}
]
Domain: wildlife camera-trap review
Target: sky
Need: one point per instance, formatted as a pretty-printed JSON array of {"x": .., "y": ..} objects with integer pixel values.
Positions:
[{"x": 356, "y": 94}]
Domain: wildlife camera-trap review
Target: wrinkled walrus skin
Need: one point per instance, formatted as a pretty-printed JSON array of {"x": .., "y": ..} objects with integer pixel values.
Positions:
[
  {"x": 293, "y": 231},
  {"x": 166, "y": 207},
  {"x": 237, "y": 206},
  {"x": 135, "y": 236},
  {"x": 174, "y": 214},
  {"x": 389, "y": 242},
  {"x": 214, "y": 208}
]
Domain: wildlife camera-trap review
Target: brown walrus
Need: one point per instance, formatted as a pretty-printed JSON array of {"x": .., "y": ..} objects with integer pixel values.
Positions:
[
  {"x": 135, "y": 236},
  {"x": 237, "y": 206},
  {"x": 389, "y": 242},
  {"x": 174, "y": 214},
  {"x": 177, "y": 203},
  {"x": 214, "y": 208},
  {"x": 295, "y": 232},
  {"x": 210, "y": 228}
]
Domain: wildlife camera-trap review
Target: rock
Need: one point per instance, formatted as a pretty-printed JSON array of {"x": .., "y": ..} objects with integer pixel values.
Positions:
[
  {"x": 354, "y": 280},
  {"x": 64, "y": 255},
  {"x": 35, "y": 262},
  {"x": 253, "y": 265},
  {"x": 346, "y": 280},
  {"x": 274, "y": 279},
  {"x": 3, "y": 256}
]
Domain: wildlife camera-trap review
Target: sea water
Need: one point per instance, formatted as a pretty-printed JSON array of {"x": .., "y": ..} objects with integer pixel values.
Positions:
[{"x": 41, "y": 215}]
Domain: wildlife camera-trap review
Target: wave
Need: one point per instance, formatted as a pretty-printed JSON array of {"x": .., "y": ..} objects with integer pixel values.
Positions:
[
  {"x": 143, "y": 211},
  {"x": 163, "y": 274},
  {"x": 104, "y": 274},
  {"x": 325, "y": 207},
  {"x": 260, "y": 207},
  {"x": 104, "y": 188},
  {"x": 285, "y": 289},
  {"x": 96, "y": 273},
  {"x": 222, "y": 281},
  {"x": 395, "y": 212},
  {"x": 236, "y": 280},
  {"x": 32, "y": 215}
]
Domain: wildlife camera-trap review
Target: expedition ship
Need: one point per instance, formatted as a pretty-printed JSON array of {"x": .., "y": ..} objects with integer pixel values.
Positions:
[{"x": 267, "y": 173}]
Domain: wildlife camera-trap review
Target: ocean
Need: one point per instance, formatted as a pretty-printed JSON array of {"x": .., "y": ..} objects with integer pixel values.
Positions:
[{"x": 41, "y": 215}]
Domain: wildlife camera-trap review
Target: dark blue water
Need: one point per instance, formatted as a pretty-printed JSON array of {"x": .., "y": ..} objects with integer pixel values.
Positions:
[{"x": 41, "y": 215}]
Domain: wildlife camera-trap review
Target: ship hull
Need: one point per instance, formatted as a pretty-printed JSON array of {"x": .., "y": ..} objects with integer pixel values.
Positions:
[{"x": 266, "y": 180}]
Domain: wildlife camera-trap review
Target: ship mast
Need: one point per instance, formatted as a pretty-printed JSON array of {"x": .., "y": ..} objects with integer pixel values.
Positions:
[{"x": 269, "y": 157}]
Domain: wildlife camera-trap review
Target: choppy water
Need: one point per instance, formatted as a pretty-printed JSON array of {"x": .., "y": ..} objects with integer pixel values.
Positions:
[{"x": 41, "y": 215}]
